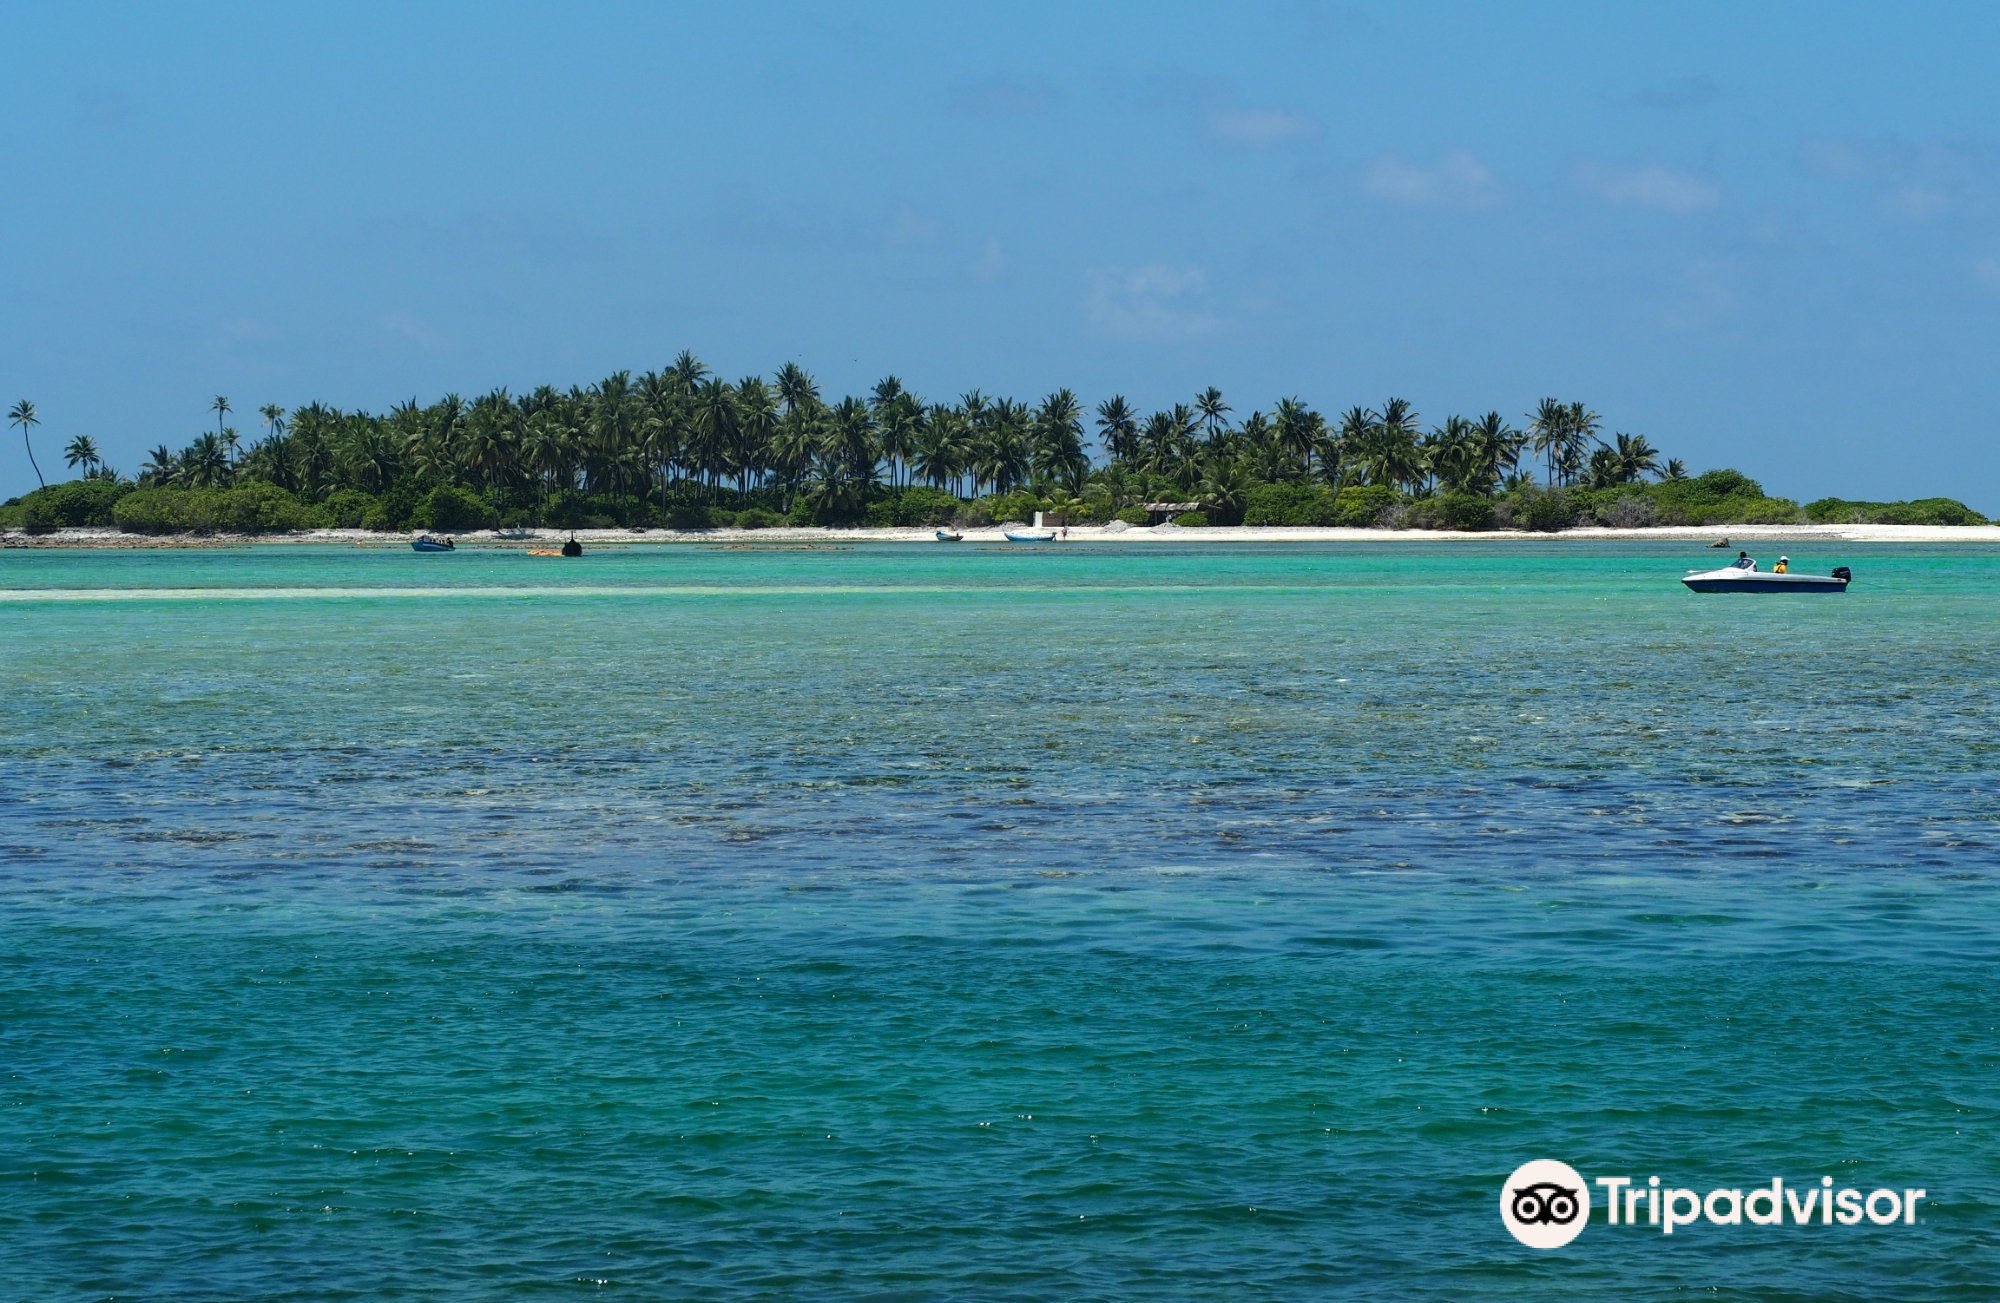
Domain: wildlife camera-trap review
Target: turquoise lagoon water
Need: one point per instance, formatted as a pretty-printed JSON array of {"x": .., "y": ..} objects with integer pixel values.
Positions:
[{"x": 911, "y": 922}]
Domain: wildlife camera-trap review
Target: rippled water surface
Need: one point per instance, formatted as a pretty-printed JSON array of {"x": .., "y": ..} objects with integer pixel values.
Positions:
[{"x": 916, "y": 922}]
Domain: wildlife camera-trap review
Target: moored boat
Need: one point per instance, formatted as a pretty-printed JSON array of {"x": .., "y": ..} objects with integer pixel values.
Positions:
[
  {"x": 946, "y": 536},
  {"x": 428, "y": 544},
  {"x": 1730, "y": 579},
  {"x": 1031, "y": 536}
]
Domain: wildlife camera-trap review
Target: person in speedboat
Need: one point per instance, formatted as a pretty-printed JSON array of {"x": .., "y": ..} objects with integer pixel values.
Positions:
[
  {"x": 1743, "y": 561},
  {"x": 1784, "y": 566}
]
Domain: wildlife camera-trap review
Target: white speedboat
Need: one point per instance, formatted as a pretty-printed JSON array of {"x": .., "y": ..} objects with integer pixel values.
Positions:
[
  {"x": 1031, "y": 535},
  {"x": 1729, "y": 579}
]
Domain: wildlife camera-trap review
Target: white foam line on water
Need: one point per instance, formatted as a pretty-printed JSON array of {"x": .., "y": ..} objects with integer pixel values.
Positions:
[{"x": 29, "y": 595}]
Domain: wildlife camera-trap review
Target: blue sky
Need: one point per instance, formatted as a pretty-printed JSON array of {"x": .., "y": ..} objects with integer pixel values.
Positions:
[{"x": 1762, "y": 235}]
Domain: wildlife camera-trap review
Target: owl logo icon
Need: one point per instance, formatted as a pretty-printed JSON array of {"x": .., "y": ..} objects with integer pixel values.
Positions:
[{"x": 1545, "y": 1204}]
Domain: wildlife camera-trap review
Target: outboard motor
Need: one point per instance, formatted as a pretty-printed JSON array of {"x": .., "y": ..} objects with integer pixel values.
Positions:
[{"x": 1843, "y": 574}]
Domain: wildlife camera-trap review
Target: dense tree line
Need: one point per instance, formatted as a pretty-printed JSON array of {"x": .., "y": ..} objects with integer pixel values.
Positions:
[{"x": 682, "y": 445}]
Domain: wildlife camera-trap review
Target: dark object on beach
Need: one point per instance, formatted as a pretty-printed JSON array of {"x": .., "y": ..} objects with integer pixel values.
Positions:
[
  {"x": 948, "y": 536},
  {"x": 572, "y": 548}
]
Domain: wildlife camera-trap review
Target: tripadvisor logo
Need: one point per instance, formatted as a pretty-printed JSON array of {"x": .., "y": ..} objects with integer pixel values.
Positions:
[{"x": 1546, "y": 1204}]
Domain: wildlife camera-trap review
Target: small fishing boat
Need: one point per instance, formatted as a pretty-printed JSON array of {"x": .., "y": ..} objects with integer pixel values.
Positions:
[
  {"x": 946, "y": 536},
  {"x": 428, "y": 544},
  {"x": 1730, "y": 579},
  {"x": 1031, "y": 536}
]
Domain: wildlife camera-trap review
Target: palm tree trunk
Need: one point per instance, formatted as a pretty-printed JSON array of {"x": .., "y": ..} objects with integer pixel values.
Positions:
[{"x": 29, "y": 444}]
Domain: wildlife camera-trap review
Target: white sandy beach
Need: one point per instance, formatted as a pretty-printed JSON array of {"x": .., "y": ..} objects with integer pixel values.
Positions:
[{"x": 1740, "y": 535}]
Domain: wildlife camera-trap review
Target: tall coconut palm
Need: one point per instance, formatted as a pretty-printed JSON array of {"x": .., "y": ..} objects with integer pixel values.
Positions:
[
  {"x": 1548, "y": 432},
  {"x": 1117, "y": 428},
  {"x": 221, "y": 409},
  {"x": 942, "y": 450},
  {"x": 796, "y": 388},
  {"x": 756, "y": 424},
  {"x": 1636, "y": 457},
  {"x": 1057, "y": 428},
  {"x": 1499, "y": 447},
  {"x": 274, "y": 419},
  {"x": 715, "y": 428},
  {"x": 23, "y": 415},
  {"x": 1213, "y": 410},
  {"x": 82, "y": 450},
  {"x": 159, "y": 467},
  {"x": 205, "y": 463}
]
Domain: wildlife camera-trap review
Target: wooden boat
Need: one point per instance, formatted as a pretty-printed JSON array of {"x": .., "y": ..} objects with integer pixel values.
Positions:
[
  {"x": 944, "y": 536},
  {"x": 428, "y": 544},
  {"x": 1031, "y": 536}
]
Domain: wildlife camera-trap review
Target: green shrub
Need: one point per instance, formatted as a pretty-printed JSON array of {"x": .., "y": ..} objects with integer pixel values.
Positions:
[
  {"x": 254, "y": 508},
  {"x": 1017, "y": 505},
  {"x": 1192, "y": 520},
  {"x": 1923, "y": 511},
  {"x": 912, "y": 506},
  {"x": 448, "y": 508},
  {"x": 1362, "y": 505},
  {"x": 1289, "y": 504},
  {"x": 758, "y": 518},
  {"x": 72, "y": 505},
  {"x": 718, "y": 518},
  {"x": 345, "y": 508},
  {"x": 1130, "y": 515},
  {"x": 1545, "y": 510},
  {"x": 259, "y": 508},
  {"x": 1459, "y": 511}
]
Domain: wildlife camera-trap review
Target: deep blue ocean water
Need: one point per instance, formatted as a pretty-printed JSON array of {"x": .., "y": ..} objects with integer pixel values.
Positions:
[{"x": 913, "y": 922}]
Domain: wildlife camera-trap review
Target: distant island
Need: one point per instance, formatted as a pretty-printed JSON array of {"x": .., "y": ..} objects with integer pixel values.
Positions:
[{"x": 681, "y": 448}]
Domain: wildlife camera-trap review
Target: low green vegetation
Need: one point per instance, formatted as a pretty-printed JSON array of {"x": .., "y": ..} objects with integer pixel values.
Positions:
[{"x": 681, "y": 448}]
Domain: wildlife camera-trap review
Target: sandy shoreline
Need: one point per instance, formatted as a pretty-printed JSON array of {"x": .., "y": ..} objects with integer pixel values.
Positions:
[{"x": 1742, "y": 535}]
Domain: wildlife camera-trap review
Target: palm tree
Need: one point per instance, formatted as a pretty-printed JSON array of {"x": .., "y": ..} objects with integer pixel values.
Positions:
[
  {"x": 1296, "y": 429},
  {"x": 1676, "y": 469},
  {"x": 1499, "y": 446},
  {"x": 1548, "y": 432},
  {"x": 1636, "y": 457},
  {"x": 23, "y": 415},
  {"x": 1117, "y": 428},
  {"x": 1058, "y": 441},
  {"x": 205, "y": 464},
  {"x": 756, "y": 424},
  {"x": 715, "y": 427},
  {"x": 83, "y": 450},
  {"x": 160, "y": 466},
  {"x": 274, "y": 419},
  {"x": 1209, "y": 403},
  {"x": 942, "y": 451},
  {"x": 221, "y": 409}
]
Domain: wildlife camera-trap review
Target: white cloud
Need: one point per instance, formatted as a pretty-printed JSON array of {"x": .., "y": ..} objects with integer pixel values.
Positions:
[
  {"x": 1159, "y": 302},
  {"x": 1651, "y": 186},
  {"x": 1458, "y": 181},
  {"x": 1256, "y": 128}
]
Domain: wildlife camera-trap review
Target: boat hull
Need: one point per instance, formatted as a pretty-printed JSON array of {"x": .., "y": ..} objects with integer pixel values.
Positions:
[
  {"x": 431, "y": 547},
  {"x": 1758, "y": 582},
  {"x": 1032, "y": 538}
]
